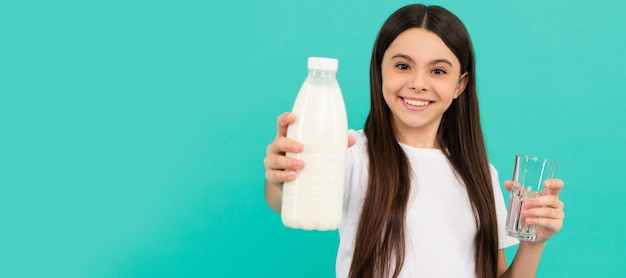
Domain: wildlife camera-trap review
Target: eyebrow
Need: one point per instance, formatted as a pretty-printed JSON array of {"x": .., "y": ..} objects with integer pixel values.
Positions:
[{"x": 433, "y": 62}]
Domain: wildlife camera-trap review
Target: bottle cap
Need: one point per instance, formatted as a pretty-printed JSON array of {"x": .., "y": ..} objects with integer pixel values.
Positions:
[{"x": 320, "y": 63}]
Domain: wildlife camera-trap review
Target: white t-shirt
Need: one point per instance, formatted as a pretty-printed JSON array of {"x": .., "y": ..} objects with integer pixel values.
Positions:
[{"x": 440, "y": 227}]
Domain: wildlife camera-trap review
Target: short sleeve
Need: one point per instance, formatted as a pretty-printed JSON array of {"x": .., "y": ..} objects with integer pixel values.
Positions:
[{"x": 504, "y": 239}]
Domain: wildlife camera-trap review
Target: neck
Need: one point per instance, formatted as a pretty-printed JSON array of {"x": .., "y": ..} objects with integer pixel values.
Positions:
[{"x": 422, "y": 137}]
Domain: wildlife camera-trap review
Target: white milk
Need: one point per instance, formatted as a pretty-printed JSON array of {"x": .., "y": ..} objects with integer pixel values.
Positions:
[{"x": 314, "y": 200}]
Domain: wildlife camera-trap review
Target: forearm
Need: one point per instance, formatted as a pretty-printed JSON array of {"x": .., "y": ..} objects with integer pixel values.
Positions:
[
  {"x": 273, "y": 196},
  {"x": 526, "y": 261}
]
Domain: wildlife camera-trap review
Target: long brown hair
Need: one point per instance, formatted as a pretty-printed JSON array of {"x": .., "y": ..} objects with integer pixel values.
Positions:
[{"x": 380, "y": 238}]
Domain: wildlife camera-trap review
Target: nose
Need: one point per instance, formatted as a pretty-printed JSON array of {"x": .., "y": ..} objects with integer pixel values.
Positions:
[{"x": 418, "y": 82}]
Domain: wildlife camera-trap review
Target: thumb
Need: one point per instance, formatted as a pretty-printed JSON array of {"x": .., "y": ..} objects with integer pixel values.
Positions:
[
  {"x": 508, "y": 184},
  {"x": 555, "y": 186},
  {"x": 351, "y": 141}
]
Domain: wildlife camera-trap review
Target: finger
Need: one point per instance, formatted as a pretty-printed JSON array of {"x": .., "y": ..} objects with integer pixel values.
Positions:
[
  {"x": 508, "y": 185},
  {"x": 278, "y": 176},
  {"x": 553, "y": 225},
  {"x": 544, "y": 201},
  {"x": 351, "y": 141},
  {"x": 282, "y": 145},
  {"x": 543, "y": 212},
  {"x": 281, "y": 162},
  {"x": 283, "y": 122},
  {"x": 554, "y": 185}
]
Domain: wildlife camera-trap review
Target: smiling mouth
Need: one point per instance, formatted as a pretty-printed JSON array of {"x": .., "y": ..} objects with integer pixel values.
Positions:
[{"x": 415, "y": 102}]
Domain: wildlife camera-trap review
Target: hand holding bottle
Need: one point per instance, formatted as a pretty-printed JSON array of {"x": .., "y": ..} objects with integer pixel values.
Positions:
[{"x": 280, "y": 168}]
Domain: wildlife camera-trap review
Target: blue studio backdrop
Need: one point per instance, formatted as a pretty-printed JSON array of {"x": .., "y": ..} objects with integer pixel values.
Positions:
[{"x": 132, "y": 133}]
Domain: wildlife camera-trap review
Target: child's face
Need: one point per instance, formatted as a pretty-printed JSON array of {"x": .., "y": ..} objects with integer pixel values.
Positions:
[{"x": 421, "y": 77}]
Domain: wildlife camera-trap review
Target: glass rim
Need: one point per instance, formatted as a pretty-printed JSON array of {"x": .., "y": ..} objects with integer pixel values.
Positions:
[{"x": 536, "y": 158}]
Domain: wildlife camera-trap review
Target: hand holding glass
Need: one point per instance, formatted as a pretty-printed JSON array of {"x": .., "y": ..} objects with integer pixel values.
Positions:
[{"x": 529, "y": 176}]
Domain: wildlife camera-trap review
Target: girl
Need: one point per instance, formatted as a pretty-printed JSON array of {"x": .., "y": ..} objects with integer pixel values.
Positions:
[{"x": 421, "y": 199}]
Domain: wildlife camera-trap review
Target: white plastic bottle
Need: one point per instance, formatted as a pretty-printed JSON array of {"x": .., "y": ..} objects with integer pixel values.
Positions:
[{"x": 314, "y": 200}]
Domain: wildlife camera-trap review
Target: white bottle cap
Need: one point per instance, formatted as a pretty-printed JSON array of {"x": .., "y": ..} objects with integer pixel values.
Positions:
[{"x": 321, "y": 63}]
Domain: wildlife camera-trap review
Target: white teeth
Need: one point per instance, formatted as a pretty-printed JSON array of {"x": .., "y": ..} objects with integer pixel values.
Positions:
[{"x": 416, "y": 102}]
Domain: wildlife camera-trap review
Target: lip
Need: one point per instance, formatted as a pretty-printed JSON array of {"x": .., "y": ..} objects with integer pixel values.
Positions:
[{"x": 416, "y": 108}]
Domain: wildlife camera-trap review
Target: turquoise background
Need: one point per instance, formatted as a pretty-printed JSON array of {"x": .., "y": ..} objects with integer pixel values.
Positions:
[{"x": 132, "y": 133}]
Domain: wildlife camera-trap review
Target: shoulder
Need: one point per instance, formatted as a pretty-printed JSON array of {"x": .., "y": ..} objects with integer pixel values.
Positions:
[
  {"x": 493, "y": 170},
  {"x": 495, "y": 182},
  {"x": 495, "y": 179}
]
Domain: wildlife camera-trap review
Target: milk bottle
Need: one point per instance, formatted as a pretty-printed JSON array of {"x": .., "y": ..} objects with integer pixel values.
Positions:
[{"x": 314, "y": 200}]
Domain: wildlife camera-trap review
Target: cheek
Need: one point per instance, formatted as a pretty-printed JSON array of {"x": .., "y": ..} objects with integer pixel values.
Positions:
[
  {"x": 389, "y": 92},
  {"x": 391, "y": 83},
  {"x": 446, "y": 90}
]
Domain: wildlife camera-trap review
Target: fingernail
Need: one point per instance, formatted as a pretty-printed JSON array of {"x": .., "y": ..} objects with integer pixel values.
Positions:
[
  {"x": 527, "y": 204},
  {"x": 296, "y": 146},
  {"x": 524, "y": 212},
  {"x": 291, "y": 174},
  {"x": 299, "y": 164}
]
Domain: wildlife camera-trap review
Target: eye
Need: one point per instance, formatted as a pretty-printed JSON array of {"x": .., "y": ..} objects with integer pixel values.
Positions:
[
  {"x": 439, "y": 71},
  {"x": 402, "y": 66}
]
